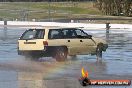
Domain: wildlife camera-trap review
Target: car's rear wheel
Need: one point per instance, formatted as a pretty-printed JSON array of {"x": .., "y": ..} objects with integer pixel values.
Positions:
[{"x": 60, "y": 54}]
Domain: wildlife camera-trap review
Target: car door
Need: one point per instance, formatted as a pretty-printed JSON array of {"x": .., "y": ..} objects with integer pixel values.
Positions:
[
  {"x": 87, "y": 45},
  {"x": 71, "y": 41}
]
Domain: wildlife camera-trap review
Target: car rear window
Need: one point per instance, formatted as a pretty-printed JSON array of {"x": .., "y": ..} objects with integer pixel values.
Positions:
[{"x": 33, "y": 34}]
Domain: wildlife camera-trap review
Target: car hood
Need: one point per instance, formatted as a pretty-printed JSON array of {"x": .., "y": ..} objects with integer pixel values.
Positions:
[{"x": 99, "y": 40}]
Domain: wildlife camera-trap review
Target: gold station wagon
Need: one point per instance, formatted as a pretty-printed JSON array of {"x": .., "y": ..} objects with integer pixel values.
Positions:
[{"x": 59, "y": 43}]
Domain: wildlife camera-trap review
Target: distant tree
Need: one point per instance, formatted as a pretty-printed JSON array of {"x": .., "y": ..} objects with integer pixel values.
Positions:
[
  {"x": 128, "y": 7},
  {"x": 42, "y": 0},
  {"x": 115, "y": 7}
]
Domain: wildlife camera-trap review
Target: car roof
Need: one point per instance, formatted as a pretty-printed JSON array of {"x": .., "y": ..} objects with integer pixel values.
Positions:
[{"x": 54, "y": 27}]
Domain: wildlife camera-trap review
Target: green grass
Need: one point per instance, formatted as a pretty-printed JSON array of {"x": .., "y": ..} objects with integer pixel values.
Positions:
[{"x": 40, "y": 10}]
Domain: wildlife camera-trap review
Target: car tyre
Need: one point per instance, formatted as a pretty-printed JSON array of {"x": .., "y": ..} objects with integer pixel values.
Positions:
[
  {"x": 99, "y": 51},
  {"x": 60, "y": 54}
]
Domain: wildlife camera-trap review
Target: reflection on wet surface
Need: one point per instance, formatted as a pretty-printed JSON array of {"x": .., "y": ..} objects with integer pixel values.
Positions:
[{"x": 21, "y": 72}]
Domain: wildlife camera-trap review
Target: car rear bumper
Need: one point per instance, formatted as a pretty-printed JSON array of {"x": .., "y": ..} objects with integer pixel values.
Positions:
[{"x": 48, "y": 51}]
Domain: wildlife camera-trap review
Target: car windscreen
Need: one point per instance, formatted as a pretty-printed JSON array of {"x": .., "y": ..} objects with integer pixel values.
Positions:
[{"x": 32, "y": 34}]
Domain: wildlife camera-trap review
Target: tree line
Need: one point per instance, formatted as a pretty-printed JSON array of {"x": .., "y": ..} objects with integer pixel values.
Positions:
[
  {"x": 115, "y": 7},
  {"x": 42, "y": 0},
  {"x": 108, "y": 7}
]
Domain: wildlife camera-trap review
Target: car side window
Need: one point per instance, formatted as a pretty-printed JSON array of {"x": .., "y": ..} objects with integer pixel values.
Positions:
[
  {"x": 55, "y": 34},
  {"x": 39, "y": 34},
  {"x": 68, "y": 33},
  {"x": 80, "y": 33}
]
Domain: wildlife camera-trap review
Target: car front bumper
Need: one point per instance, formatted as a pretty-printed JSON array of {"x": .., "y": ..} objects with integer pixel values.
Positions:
[{"x": 105, "y": 46}]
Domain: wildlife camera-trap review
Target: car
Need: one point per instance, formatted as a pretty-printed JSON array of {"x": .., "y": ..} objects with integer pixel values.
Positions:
[{"x": 59, "y": 42}]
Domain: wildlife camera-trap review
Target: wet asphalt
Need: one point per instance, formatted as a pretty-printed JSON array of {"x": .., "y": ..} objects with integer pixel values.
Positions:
[{"x": 116, "y": 62}]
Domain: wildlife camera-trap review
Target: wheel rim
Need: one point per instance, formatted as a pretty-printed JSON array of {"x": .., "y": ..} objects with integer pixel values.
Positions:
[{"x": 61, "y": 55}]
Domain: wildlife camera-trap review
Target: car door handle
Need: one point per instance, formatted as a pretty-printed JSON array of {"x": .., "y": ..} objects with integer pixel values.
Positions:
[
  {"x": 68, "y": 40},
  {"x": 81, "y": 41}
]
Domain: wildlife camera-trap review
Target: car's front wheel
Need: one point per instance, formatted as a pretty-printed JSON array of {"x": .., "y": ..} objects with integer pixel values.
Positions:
[
  {"x": 60, "y": 54},
  {"x": 99, "y": 50}
]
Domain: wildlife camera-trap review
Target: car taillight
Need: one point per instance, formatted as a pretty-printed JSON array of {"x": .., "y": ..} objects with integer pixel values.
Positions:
[{"x": 45, "y": 43}]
